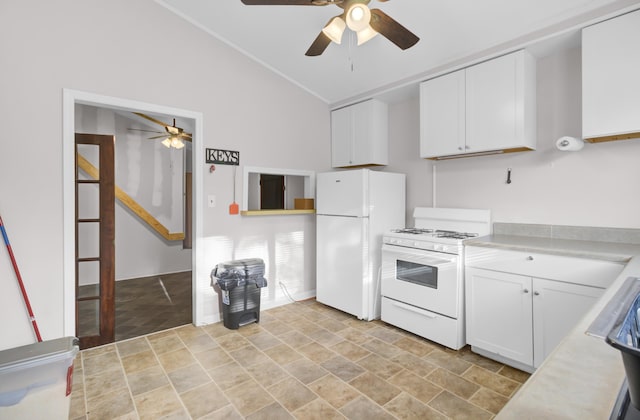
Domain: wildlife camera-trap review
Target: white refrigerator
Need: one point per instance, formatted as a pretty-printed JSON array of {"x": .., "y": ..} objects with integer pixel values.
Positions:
[{"x": 354, "y": 209}]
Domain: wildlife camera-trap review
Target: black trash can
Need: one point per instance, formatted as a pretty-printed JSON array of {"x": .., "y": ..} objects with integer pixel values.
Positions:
[{"x": 238, "y": 285}]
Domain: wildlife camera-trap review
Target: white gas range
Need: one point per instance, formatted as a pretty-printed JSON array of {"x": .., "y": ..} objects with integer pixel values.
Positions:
[{"x": 422, "y": 278}]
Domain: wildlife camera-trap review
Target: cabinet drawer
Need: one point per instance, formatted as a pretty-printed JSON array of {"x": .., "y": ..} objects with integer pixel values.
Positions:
[
  {"x": 588, "y": 272},
  {"x": 430, "y": 325}
]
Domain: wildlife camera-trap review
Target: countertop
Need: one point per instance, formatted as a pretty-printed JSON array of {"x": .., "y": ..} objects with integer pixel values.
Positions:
[{"x": 582, "y": 377}]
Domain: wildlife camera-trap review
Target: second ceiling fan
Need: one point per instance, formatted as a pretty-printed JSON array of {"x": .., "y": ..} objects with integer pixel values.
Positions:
[
  {"x": 173, "y": 136},
  {"x": 365, "y": 22}
]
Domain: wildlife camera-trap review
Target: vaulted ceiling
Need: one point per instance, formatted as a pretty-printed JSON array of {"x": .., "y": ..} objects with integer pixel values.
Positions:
[{"x": 452, "y": 33}]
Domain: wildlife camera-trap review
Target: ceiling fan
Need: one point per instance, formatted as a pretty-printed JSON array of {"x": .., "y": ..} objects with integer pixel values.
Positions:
[
  {"x": 173, "y": 136},
  {"x": 365, "y": 22}
]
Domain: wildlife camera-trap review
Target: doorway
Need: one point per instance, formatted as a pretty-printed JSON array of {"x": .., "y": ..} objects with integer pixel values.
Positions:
[{"x": 73, "y": 98}]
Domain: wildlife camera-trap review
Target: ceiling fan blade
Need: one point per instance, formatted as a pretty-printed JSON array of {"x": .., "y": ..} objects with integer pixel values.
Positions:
[
  {"x": 157, "y": 137},
  {"x": 392, "y": 30},
  {"x": 148, "y": 131},
  {"x": 279, "y": 3},
  {"x": 319, "y": 45},
  {"x": 151, "y": 119}
]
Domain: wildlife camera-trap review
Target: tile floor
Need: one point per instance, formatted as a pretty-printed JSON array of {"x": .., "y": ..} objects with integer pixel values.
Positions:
[{"x": 303, "y": 360}]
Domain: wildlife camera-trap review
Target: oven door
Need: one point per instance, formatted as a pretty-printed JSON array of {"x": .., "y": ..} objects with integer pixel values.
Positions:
[{"x": 421, "y": 278}]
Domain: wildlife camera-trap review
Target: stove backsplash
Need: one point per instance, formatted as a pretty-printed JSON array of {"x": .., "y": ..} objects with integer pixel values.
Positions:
[{"x": 580, "y": 233}]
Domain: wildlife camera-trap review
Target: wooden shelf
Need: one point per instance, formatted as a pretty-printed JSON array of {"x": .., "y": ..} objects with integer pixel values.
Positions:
[{"x": 275, "y": 212}]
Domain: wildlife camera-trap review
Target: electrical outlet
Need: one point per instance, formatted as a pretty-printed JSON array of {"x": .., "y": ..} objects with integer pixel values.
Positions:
[{"x": 212, "y": 201}]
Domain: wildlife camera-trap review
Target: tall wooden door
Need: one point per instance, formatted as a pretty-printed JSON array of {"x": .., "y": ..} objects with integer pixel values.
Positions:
[{"x": 95, "y": 238}]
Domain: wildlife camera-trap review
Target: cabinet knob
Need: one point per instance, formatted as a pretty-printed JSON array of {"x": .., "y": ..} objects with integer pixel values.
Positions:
[
  {"x": 459, "y": 147},
  {"x": 526, "y": 290},
  {"x": 467, "y": 147},
  {"x": 536, "y": 293},
  {"x": 529, "y": 258}
]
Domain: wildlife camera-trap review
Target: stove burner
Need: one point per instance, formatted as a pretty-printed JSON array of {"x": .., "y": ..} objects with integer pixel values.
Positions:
[
  {"x": 413, "y": 231},
  {"x": 436, "y": 233},
  {"x": 454, "y": 235}
]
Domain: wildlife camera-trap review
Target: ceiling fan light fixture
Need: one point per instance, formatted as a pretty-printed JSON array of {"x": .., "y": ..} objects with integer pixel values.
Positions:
[
  {"x": 177, "y": 143},
  {"x": 335, "y": 29},
  {"x": 366, "y": 34},
  {"x": 358, "y": 17},
  {"x": 166, "y": 142}
]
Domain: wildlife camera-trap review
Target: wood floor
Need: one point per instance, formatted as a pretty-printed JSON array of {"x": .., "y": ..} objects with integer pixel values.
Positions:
[{"x": 149, "y": 304}]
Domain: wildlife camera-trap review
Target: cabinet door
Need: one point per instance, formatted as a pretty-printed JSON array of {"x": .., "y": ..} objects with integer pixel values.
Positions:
[
  {"x": 499, "y": 316},
  {"x": 359, "y": 134},
  {"x": 491, "y": 104},
  {"x": 363, "y": 133},
  {"x": 341, "y": 137},
  {"x": 442, "y": 115},
  {"x": 501, "y": 104},
  {"x": 610, "y": 81},
  {"x": 557, "y": 309}
]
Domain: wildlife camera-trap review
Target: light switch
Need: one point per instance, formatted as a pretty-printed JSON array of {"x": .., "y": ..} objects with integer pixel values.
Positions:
[{"x": 212, "y": 201}]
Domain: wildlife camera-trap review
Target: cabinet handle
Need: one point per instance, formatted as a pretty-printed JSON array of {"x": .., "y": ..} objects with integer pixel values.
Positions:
[
  {"x": 529, "y": 258},
  {"x": 526, "y": 290},
  {"x": 536, "y": 293}
]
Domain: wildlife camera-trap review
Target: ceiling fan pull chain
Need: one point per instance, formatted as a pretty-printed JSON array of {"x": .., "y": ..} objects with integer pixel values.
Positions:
[{"x": 351, "y": 50}]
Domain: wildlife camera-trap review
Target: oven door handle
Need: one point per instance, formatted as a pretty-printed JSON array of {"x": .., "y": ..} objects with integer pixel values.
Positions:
[
  {"x": 413, "y": 309},
  {"x": 428, "y": 257}
]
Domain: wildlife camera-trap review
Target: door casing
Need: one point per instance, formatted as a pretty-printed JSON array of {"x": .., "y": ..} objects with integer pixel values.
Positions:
[{"x": 70, "y": 99}]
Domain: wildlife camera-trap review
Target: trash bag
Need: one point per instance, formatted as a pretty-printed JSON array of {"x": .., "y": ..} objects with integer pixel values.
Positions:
[{"x": 231, "y": 274}]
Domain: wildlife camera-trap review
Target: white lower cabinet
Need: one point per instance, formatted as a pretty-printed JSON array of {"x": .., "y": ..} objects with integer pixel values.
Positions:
[
  {"x": 557, "y": 308},
  {"x": 519, "y": 319},
  {"x": 499, "y": 314}
]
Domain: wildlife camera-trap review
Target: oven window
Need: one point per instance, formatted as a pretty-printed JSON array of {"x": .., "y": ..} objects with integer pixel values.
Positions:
[{"x": 421, "y": 274}]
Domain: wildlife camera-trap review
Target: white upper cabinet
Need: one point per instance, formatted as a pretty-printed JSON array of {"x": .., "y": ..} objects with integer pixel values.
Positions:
[
  {"x": 359, "y": 135},
  {"x": 442, "y": 115},
  {"x": 610, "y": 79},
  {"x": 489, "y": 107}
]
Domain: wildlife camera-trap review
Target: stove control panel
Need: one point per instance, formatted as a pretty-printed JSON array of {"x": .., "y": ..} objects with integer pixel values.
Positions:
[{"x": 426, "y": 245}]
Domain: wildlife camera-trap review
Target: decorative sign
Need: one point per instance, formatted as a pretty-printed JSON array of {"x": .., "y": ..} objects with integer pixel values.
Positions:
[{"x": 222, "y": 157}]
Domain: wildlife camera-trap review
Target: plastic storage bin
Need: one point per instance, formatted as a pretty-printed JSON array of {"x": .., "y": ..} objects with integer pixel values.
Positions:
[
  {"x": 238, "y": 285},
  {"x": 35, "y": 380}
]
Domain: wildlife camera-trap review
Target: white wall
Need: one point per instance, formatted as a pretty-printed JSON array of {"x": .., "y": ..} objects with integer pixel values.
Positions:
[
  {"x": 404, "y": 155},
  {"x": 598, "y": 186},
  {"x": 124, "y": 49}
]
